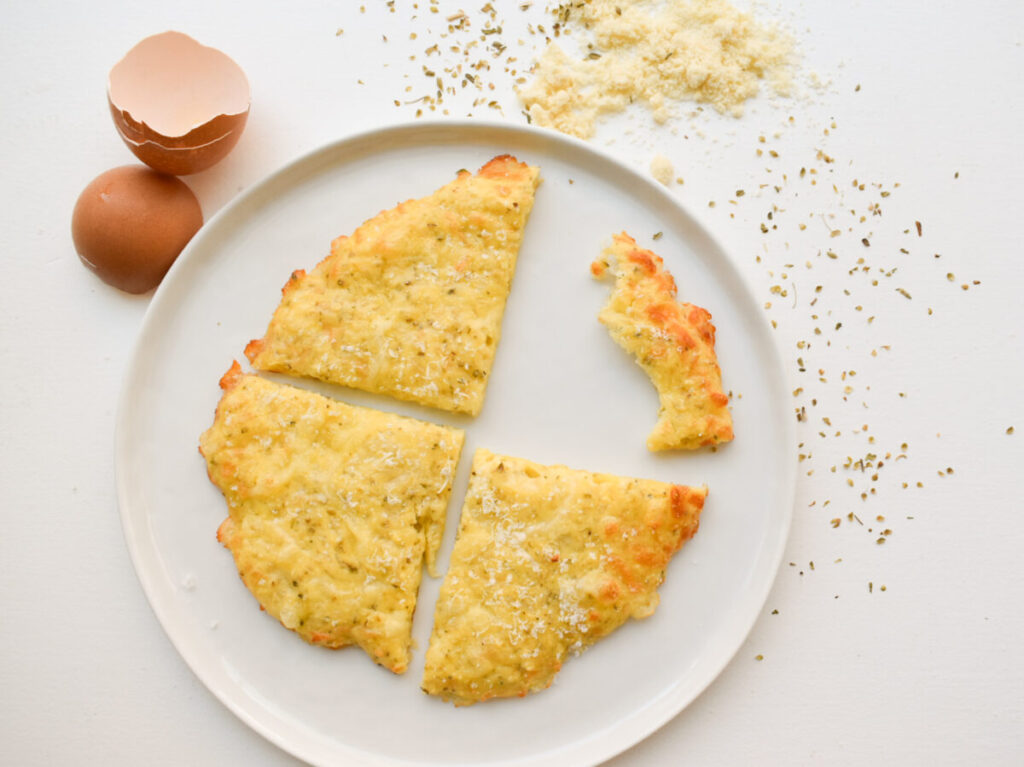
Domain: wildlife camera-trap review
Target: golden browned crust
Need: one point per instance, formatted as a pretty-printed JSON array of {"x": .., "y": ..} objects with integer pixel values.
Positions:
[{"x": 673, "y": 342}]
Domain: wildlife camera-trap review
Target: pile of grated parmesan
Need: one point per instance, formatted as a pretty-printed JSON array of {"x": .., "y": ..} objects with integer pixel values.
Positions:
[{"x": 656, "y": 53}]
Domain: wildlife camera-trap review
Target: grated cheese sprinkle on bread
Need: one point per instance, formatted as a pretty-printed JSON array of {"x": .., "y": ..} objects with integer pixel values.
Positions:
[{"x": 547, "y": 561}]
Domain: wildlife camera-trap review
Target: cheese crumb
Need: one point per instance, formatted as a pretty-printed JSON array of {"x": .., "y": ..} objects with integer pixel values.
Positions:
[
  {"x": 655, "y": 53},
  {"x": 661, "y": 169}
]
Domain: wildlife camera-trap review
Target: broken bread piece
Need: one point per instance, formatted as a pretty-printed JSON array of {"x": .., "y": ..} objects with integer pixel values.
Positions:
[
  {"x": 673, "y": 342},
  {"x": 410, "y": 304},
  {"x": 547, "y": 561},
  {"x": 332, "y": 510}
]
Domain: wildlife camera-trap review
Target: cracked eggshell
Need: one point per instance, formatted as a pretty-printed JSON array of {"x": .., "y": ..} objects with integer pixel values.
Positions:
[{"x": 178, "y": 105}]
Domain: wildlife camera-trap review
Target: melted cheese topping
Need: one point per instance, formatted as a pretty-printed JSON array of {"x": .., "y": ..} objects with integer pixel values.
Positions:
[
  {"x": 673, "y": 342},
  {"x": 332, "y": 510},
  {"x": 410, "y": 305},
  {"x": 547, "y": 561}
]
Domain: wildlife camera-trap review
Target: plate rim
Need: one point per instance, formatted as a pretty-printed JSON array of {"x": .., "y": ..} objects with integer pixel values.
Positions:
[{"x": 599, "y": 746}]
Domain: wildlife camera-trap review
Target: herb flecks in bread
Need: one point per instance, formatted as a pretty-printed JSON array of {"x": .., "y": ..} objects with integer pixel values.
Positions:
[
  {"x": 547, "y": 561},
  {"x": 332, "y": 510},
  {"x": 673, "y": 342},
  {"x": 410, "y": 304}
]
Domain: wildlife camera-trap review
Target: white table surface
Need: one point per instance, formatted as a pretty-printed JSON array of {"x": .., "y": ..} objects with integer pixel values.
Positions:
[{"x": 836, "y": 670}]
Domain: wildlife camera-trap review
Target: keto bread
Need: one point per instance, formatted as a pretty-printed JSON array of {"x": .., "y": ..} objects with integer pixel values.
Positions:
[
  {"x": 547, "y": 561},
  {"x": 410, "y": 304},
  {"x": 332, "y": 510},
  {"x": 673, "y": 342}
]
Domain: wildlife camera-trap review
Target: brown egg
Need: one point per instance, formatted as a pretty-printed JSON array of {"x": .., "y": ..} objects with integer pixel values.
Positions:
[
  {"x": 130, "y": 224},
  {"x": 178, "y": 105}
]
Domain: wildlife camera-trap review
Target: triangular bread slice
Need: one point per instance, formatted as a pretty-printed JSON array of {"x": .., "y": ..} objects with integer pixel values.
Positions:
[
  {"x": 410, "y": 304},
  {"x": 673, "y": 342},
  {"x": 332, "y": 510},
  {"x": 547, "y": 561}
]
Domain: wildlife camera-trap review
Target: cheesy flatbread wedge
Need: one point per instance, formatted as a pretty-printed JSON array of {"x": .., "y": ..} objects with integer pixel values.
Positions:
[
  {"x": 332, "y": 510},
  {"x": 410, "y": 304},
  {"x": 547, "y": 561},
  {"x": 673, "y": 342}
]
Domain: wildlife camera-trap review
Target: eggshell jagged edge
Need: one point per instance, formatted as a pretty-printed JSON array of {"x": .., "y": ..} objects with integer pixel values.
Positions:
[{"x": 173, "y": 144}]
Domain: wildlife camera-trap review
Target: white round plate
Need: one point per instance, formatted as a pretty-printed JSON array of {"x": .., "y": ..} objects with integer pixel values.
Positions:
[{"x": 560, "y": 392}]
